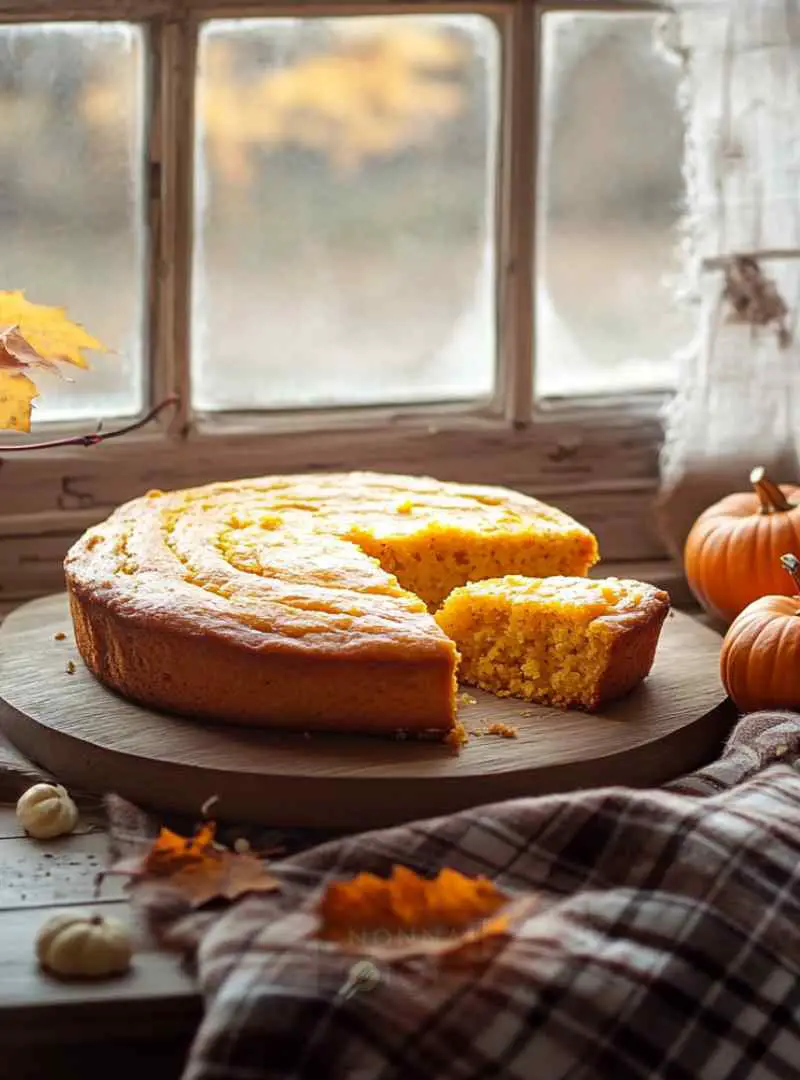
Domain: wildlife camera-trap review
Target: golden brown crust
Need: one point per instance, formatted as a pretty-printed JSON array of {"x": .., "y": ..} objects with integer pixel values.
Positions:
[
  {"x": 215, "y": 679},
  {"x": 253, "y": 602},
  {"x": 633, "y": 649}
]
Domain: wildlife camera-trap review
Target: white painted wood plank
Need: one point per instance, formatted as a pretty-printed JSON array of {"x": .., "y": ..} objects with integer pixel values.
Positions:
[
  {"x": 156, "y": 997},
  {"x": 558, "y": 453},
  {"x": 9, "y": 826},
  {"x": 90, "y": 821},
  {"x": 40, "y": 873},
  {"x": 142, "y": 9}
]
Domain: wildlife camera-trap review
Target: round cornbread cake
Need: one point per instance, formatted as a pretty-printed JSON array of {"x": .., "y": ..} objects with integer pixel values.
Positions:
[{"x": 302, "y": 601}]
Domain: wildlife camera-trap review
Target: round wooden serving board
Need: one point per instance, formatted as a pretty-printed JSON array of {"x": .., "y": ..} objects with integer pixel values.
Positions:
[{"x": 92, "y": 739}]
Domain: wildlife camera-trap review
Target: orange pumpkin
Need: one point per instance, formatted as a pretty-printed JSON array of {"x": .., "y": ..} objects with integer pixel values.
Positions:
[
  {"x": 732, "y": 554},
  {"x": 760, "y": 658}
]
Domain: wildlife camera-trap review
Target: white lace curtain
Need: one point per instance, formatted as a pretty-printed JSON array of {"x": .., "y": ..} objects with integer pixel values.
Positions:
[{"x": 737, "y": 404}]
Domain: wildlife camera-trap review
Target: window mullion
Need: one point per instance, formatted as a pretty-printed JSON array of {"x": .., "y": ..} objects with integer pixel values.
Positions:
[
  {"x": 170, "y": 163},
  {"x": 518, "y": 195}
]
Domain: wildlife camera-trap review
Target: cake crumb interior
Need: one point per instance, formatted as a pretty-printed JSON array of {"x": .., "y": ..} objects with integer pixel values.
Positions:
[{"x": 544, "y": 640}]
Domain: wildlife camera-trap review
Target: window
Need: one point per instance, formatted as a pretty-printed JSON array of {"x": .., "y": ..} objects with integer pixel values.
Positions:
[
  {"x": 71, "y": 199},
  {"x": 354, "y": 197},
  {"x": 435, "y": 241},
  {"x": 612, "y": 198}
]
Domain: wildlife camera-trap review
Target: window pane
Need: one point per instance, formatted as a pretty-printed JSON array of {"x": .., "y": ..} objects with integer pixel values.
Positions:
[
  {"x": 344, "y": 211},
  {"x": 71, "y": 113},
  {"x": 612, "y": 195}
]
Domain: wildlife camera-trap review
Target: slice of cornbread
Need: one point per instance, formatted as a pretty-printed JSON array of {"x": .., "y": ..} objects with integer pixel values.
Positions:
[{"x": 567, "y": 641}]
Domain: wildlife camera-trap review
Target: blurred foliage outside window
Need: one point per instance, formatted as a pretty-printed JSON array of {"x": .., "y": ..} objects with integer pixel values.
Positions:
[{"x": 344, "y": 205}]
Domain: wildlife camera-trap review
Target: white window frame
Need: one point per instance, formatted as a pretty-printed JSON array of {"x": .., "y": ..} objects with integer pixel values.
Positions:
[{"x": 596, "y": 458}]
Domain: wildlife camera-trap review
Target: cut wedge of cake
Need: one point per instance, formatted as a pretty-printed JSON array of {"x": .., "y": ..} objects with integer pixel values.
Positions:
[{"x": 573, "y": 642}]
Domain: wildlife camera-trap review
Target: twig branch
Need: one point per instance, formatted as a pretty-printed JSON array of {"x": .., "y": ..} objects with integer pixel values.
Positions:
[{"x": 96, "y": 436}]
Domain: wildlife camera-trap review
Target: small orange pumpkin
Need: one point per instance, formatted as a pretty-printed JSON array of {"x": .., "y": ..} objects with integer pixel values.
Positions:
[
  {"x": 732, "y": 553},
  {"x": 760, "y": 658}
]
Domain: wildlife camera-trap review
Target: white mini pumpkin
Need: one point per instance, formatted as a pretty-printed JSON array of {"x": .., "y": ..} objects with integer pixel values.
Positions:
[
  {"x": 46, "y": 810},
  {"x": 78, "y": 944}
]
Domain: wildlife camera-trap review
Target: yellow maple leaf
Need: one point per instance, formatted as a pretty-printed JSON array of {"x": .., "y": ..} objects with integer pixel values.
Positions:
[
  {"x": 34, "y": 337},
  {"x": 47, "y": 330},
  {"x": 17, "y": 392}
]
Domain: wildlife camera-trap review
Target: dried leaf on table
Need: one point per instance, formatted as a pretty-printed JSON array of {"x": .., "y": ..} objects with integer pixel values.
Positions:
[{"x": 196, "y": 869}]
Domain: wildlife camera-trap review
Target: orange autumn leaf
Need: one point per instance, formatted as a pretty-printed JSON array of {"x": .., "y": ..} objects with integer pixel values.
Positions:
[
  {"x": 197, "y": 868},
  {"x": 407, "y": 903},
  {"x": 172, "y": 852},
  {"x": 33, "y": 337}
]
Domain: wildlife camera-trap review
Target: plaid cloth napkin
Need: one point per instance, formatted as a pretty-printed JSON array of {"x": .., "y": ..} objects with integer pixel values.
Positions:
[{"x": 664, "y": 942}]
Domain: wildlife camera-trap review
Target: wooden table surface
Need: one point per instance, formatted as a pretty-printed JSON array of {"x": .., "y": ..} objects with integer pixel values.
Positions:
[
  {"x": 138, "y": 1025},
  {"x": 48, "y": 1027}
]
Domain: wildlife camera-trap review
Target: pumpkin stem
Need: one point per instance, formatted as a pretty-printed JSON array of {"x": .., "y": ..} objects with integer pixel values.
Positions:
[
  {"x": 770, "y": 495},
  {"x": 791, "y": 564}
]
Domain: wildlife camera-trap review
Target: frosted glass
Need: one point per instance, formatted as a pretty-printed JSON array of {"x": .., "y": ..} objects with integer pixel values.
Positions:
[
  {"x": 71, "y": 118},
  {"x": 344, "y": 211},
  {"x": 612, "y": 197}
]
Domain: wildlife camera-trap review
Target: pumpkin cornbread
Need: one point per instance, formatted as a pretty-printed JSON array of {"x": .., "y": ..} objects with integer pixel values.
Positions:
[
  {"x": 302, "y": 601},
  {"x": 566, "y": 641}
]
